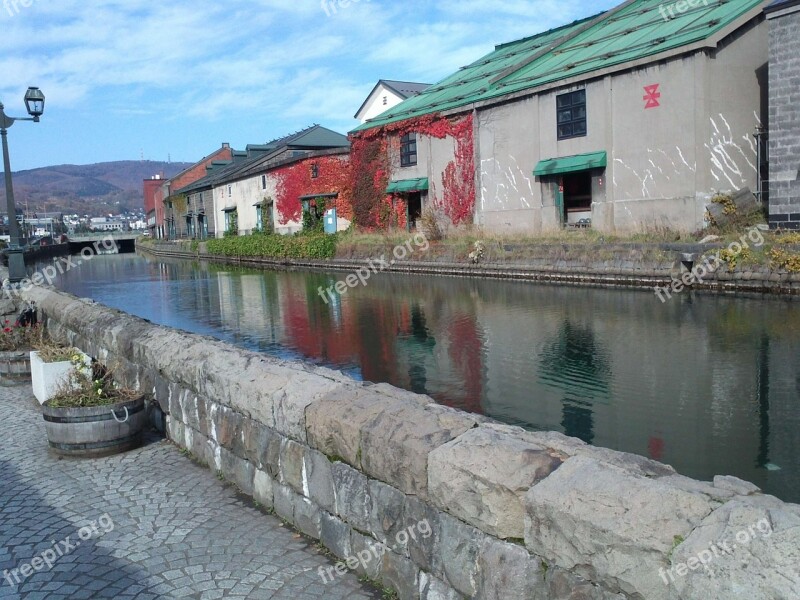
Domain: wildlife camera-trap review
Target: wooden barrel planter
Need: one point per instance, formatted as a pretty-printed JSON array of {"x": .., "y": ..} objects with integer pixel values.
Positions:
[
  {"x": 97, "y": 430},
  {"x": 15, "y": 364}
]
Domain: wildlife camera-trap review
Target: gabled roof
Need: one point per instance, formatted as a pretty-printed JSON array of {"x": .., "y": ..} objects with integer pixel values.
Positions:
[
  {"x": 404, "y": 89},
  {"x": 225, "y": 146},
  {"x": 244, "y": 163},
  {"x": 629, "y": 34}
]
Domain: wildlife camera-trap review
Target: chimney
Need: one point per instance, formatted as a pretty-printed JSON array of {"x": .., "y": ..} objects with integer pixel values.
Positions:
[{"x": 226, "y": 145}]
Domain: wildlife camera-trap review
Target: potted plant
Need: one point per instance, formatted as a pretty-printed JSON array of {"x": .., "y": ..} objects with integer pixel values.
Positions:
[
  {"x": 17, "y": 340},
  {"x": 51, "y": 366},
  {"x": 90, "y": 415}
]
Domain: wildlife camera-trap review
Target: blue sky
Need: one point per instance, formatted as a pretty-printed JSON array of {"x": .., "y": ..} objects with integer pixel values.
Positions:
[{"x": 132, "y": 78}]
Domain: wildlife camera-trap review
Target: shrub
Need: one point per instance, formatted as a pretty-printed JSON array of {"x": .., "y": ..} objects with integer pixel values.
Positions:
[{"x": 317, "y": 246}]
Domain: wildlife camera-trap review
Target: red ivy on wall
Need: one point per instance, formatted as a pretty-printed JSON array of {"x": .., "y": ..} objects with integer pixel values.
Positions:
[
  {"x": 295, "y": 180},
  {"x": 372, "y": 169}
]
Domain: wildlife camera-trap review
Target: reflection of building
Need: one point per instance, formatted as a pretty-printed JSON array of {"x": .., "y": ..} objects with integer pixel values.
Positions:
[{"x": 709, "y": 385}]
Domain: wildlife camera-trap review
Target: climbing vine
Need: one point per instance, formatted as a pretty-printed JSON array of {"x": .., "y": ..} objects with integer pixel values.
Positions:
[
  {"x": 371, "y": 160},
  {"x": 296, "y": 180}
]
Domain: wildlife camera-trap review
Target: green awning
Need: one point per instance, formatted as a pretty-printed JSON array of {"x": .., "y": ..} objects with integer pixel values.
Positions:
[
  {"x": 408, "y": 185},
  {"x": 571, "y": 164}
]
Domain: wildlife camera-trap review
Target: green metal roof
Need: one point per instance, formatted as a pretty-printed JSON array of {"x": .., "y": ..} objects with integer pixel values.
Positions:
[
  {"x": 631, "y": 32},
  {"x": 408, "y": 185},
  {"x": 570, "y": 164}
]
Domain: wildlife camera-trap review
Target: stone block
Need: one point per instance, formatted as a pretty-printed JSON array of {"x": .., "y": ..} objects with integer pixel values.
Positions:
[
  {"x": 353, "y": 502},
  {"x": 7, "y": 307},
  {"x": 604, "y": 523},
  {"x": 319, "y": 479},
  {"x": 432, "y": 588},
  {"x": 396, "y": 443},
  {"x": 262, "y": 489},
  {"x": 509, "y": 572},
  {"x": 747, "y": 548},
  {"x": 237, "y": 470},
  {"x": 335, "y": 535},
  {"x": 561, "y": 585},
  {"x": 292, "y": 400},
  {"x": 283, "y": 498},
  {"x": 369, "y": 553},
  {"x": 401, "y": 575},
  {"x": 482, "y": 477},
  {"x": 386, "y": 514},
  {"x": 175, "y": 430},
  {"x": 307, "y": 516},
  {"x": 460, "y": 547},
  {"x": 291, "y": 463},
  {"x": 424, "y": 548},
  {"x": 335, "y": 421},
  {"x": 225, "y": 426}
]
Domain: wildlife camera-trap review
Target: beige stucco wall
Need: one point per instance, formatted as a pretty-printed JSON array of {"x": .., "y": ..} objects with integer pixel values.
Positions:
[{"x": 664, "y": 163}]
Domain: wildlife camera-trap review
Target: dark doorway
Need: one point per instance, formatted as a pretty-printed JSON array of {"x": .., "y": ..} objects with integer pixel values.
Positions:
[
  {"x": 414, "y": 210},
  {"x": 577, "y": 199}
]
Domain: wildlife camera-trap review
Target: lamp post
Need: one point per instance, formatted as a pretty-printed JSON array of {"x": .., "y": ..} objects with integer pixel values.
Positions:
[{"x": 34, "y": 102}]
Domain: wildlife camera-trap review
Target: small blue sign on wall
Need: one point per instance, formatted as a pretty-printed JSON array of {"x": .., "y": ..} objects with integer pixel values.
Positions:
[{"x": 331, "y": 222}]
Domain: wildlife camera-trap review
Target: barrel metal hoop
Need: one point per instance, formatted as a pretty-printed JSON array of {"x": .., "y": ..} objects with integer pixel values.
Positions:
[
  {"x": 97, "y": 445},
  {"x": 95, "y": 418}
]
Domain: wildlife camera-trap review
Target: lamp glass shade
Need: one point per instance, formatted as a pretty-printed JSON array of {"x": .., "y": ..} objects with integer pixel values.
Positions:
[{"x": 34, "y": 102}]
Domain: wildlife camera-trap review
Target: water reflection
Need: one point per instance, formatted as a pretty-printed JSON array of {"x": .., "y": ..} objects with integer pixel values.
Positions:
[{"x": 709, "y": 385}]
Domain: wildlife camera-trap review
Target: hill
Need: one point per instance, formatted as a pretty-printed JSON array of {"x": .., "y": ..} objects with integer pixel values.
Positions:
[{"x": 94, "y": 190}]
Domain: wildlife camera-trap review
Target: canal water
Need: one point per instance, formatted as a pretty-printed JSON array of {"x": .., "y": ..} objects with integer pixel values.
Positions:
[{"x": 708, "y": 384}]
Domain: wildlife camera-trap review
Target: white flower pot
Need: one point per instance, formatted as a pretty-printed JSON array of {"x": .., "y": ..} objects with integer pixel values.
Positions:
[{"x": 48, "y": 378}]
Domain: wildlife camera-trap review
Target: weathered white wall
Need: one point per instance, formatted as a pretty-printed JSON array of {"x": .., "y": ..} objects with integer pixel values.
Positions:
[{"x": 664, "y": 163}]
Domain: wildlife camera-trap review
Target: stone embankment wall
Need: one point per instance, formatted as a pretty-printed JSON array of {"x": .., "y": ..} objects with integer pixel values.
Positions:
[
  {"x": 509, "y": 514},
  {"x": 609, "y": 265}
]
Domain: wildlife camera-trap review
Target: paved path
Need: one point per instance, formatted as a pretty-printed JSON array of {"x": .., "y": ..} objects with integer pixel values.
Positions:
[{"x": 164, "y": 527}]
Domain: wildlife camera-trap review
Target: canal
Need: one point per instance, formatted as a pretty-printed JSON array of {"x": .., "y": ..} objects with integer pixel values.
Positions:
[{"x": 708, "y": 384}]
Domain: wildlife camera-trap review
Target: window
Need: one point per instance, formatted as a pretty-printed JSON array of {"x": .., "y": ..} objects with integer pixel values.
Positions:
[
  {"x": 230, "y": 191},
  {"x": 571, "y": 114},
  {"x": 314, "y": 171},
  {"x": 263, "y": 182},
  {"x": 260, "y": 217},
  {"x": 408, "y": 150}
]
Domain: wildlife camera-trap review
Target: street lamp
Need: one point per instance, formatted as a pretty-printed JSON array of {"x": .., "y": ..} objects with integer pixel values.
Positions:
[{"x": 34, "y": 102}]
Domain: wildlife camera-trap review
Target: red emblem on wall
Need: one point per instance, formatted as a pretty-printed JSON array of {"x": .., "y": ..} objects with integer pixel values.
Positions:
[{"x": 652, "y": 96}]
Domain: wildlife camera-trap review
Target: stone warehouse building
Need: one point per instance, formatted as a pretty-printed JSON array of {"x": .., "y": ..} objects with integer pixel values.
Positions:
[
  {"x": 784, "y": 113},
  {"x": 265, "y": 187},
  {"x": 158, "y": 191},
  {"x": 626, "y": 121}
]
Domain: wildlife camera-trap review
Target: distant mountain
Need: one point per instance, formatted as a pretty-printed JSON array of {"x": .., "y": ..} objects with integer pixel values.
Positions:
[{"x": 93, "y": 190}]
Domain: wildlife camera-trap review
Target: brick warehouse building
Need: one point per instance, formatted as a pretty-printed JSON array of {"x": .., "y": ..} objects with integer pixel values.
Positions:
[{"x": 784, "y": 113}]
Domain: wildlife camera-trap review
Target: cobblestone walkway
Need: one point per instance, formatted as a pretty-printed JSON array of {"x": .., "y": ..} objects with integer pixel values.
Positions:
[{"x": 164, "y": 527}]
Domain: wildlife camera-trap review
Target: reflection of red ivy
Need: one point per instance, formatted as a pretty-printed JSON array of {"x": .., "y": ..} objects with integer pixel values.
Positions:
[
  {"x": 372, "y": 169},
  {"x": 294, "y": 181}
]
